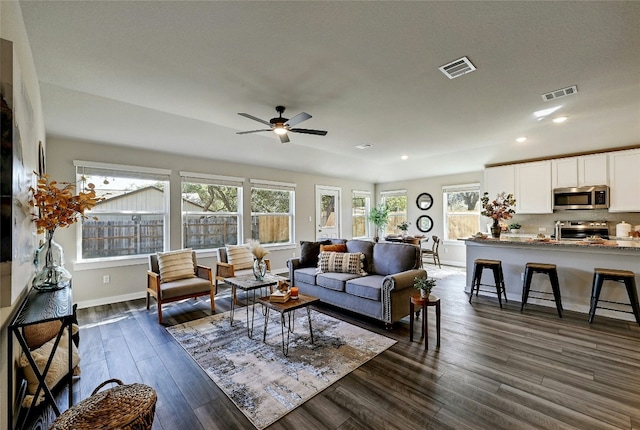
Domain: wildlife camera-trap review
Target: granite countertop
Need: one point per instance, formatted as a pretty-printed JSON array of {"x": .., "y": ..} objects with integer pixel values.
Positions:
[{"x": 626, "y": 243}]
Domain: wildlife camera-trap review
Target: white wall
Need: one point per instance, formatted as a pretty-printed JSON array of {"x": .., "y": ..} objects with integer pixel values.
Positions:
[
  {"x": 451, "y": 252},
  {"x": 28, "y": 114},
  {"x": 129, "y": 281}
]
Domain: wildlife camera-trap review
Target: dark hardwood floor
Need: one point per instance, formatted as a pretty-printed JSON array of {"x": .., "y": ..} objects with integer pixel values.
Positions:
[{"x": 496, "y": 369}]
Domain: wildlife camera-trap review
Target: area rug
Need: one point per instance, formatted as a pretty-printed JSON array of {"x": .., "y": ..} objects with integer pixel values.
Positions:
[
  {"x": 263, "y": 383},
  {"x": 436, "y": 272}
]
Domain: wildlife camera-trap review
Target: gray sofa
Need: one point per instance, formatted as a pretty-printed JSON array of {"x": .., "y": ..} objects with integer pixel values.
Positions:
[{"x": 382, "y": 294}]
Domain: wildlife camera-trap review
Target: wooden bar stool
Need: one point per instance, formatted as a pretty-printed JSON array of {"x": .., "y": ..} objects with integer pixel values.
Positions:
[
  {"x": 494, "y": 265},
  {"x": 548, "y": 269},
  {"x": 625, "y": 276}
]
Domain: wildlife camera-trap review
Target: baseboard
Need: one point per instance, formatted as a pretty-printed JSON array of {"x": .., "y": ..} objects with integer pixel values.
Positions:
[{"x": 112, "y": 299}]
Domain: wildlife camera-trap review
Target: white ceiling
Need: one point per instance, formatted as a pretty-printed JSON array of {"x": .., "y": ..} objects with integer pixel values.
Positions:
[{"x": 172, "y": 76}]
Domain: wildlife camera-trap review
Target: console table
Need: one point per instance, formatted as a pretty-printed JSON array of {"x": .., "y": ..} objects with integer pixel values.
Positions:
[{"x": 36, "y": 308}]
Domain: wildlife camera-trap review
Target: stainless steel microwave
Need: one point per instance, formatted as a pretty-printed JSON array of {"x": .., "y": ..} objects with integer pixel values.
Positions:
[{"x": 596, "y": 197}]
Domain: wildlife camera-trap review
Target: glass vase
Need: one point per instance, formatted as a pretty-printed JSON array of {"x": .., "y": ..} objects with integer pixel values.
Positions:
[
  {"x": 259, "y": 269},
  {"x": 50, "y": 272}
]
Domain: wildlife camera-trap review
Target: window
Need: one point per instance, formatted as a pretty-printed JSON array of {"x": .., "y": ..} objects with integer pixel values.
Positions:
[
  {"x": 132, "y": 218},
  {"x": 272, "y": 206},
  {"x": 461, "y": 210},
  {"x": 360, "y": 205},
  {"x": 211, "y": 210},
  {"x": 396, "y": 201}
]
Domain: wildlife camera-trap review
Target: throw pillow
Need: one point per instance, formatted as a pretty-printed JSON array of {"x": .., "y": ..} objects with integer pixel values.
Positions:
[
  {"x": 309, "y": 252},
  {"x": 57, "y": 370},
  {"x": 341, "y": 247},
  {"x": 37, "y": 335},
  {"x": 341, "y": 262},
  {"x": 239, "y": 256},
  {"x": 176, "y": 265}
]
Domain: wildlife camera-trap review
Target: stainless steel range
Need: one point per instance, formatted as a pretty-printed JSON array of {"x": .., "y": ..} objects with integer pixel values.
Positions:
[{"x": 578, "y": 230}]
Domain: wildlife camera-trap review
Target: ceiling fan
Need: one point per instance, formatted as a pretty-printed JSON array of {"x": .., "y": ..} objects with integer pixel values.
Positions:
[{"x": 281, "y": 125}]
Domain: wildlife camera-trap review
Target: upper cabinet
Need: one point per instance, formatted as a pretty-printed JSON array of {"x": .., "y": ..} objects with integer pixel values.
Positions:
[
  {"x": 580, "y": 171},
  {"x": 533, "y": 188},
  {"x": 499, "y": 179},
  {"x": 624, "y": 168}
]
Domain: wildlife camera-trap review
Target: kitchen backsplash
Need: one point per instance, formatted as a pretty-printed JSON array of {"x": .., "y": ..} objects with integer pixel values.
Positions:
[{"x": 532, "y": 223}]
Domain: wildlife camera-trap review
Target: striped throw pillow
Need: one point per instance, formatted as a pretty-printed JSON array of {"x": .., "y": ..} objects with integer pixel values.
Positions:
[
  {"x": 341, "y": 262},
  {"x": 239, "y": 256},
  {"x": 176, "y": 265}
]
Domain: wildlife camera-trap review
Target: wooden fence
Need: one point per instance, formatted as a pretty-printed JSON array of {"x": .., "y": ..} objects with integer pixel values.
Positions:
[{"x": 133, "y": 237}]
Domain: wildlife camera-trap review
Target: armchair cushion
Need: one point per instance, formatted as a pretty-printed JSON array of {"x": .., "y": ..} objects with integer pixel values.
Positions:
[
  {"x": 239, "y": 256},
  {"x": 175, "y": 265}
]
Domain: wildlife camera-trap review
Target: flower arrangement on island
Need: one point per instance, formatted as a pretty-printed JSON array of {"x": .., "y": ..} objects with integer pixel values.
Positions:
[{"x": 499, "y": 209}]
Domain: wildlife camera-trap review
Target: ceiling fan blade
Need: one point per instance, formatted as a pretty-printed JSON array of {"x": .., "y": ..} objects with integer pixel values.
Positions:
[
  {"x": 284, "y": 138},
  {"x": 246, "y": 115},
  {"x": 302, "y": 116},
  {"x": 307, "y": 131},
  {"x": 252, "y": 131}
]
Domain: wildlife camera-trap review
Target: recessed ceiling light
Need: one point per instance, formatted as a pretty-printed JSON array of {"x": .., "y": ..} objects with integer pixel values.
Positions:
[
  {"x": 560, "y": 119},
  {"x": 364, "y": 146},
  {"x": 521, "y": 139},
  {"x": 404, "y": 157},
  {"x": 546, "y": 112}
]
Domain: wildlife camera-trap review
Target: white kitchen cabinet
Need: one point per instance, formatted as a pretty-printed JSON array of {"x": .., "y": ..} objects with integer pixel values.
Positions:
[
  {"x": 584, "y": 170},
  {"x": 624, "y": 181},
  {"x": 533, "y": 188},
  {"x": 500, "y": 179}
]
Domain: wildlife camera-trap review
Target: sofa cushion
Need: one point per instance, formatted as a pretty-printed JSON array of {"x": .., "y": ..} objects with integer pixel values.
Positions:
[
  {"x": 341, "y": 262},
  {"x": 366, "y": 248},
  {"x": 239, "y": 256},
  {"x": 306, "y": 275},
  {"x": 334, "y": 281},
  {"x": 176, "y": 265},
  {"x": 392, "y": 258},
  {"x": 309, "y": 252},
  {"x": 336, "y": 247},
  {"x": 368, "y": 287}
]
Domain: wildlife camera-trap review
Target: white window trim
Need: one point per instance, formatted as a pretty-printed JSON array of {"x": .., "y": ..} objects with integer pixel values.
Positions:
[
  {"x": 365, "y": 194},
  {"x": 474, "y": 186},
  {"x": 278, "y": 186}
]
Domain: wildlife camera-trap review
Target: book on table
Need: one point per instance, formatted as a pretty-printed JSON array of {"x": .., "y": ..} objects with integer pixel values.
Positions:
[{"x": 279, "y": 296}]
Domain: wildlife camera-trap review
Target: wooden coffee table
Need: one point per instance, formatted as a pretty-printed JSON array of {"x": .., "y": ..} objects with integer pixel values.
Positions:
[
  {"x": 249, "y": 284},
  {"x": 289, "y": 308}
]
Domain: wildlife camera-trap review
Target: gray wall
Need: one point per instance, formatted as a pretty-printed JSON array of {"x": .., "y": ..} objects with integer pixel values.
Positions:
[{"x": 128, "y": 277}]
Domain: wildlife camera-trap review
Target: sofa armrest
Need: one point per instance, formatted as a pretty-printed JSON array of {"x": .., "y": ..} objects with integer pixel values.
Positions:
[
  {"x": 402, "y": 280},
  {"x": 293, "y": 264}
]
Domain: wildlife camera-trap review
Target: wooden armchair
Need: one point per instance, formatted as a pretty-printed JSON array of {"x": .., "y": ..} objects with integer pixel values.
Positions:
[
  {"x": 224, "y": 269},
  {"x": 200, "y": 283}
]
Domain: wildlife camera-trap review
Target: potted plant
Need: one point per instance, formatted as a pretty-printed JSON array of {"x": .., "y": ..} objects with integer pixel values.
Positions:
[
  {"x": 514, "y": 227},
  {"x": 378, "y": 216},
  {"x": 404, "y": 227},
  {"x": 425, "y": 285}
]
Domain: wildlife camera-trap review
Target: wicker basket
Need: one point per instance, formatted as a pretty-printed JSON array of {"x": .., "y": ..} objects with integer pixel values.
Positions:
[{"x": 129, "y": 407}]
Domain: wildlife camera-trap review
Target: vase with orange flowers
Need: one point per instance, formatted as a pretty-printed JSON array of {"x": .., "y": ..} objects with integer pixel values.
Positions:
[
  {"x": 55, "y": 206},
  {"x": 501, "y": 208}
]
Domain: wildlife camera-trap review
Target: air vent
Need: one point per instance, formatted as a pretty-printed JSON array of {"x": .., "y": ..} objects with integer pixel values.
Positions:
[
  {"x": 560, "y": 93},
  {"x": 364, "y": 146},
  {"x": 457, "y": 68}
]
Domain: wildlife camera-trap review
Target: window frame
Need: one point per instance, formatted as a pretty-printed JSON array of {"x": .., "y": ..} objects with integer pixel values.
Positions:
[
  {"x": 446, "y": 189},
  {"x": 367, "y": 207},
  {"x": 122, "y": 171},
  {"x": 275, "y": 186},
  {"x": 384, "y": 195},
  {"x": 216, "y": 180}
]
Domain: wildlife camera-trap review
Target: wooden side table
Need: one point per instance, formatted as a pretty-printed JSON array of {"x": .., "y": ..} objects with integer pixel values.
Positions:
[{"x": 416, "y": 300}]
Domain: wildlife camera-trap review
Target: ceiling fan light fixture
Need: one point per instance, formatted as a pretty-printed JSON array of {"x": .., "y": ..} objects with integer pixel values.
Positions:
[{"x": 280, "y": 130}]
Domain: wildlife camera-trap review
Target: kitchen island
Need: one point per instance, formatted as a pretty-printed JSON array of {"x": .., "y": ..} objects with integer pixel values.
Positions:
[{"x": 575, "y": 261}]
